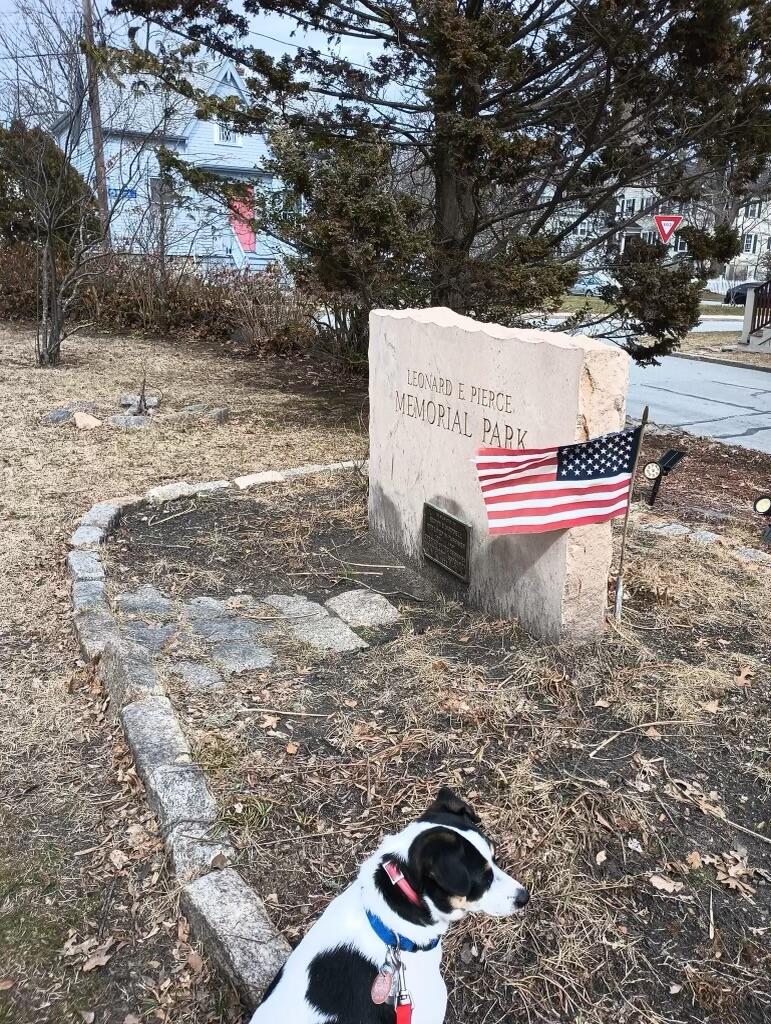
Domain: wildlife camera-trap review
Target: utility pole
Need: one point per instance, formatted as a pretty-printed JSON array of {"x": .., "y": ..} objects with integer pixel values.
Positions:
[{"x": 96, "y": 123}]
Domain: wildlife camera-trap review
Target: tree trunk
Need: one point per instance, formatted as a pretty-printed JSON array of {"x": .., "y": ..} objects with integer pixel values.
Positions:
[
  {"x": 49, "y": 336},
  {"x": 454, "y": 213}
]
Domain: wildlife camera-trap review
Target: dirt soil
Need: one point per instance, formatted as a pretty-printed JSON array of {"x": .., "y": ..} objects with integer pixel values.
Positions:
[
  {"x": 89, "y": 927},
  {"x": 626, "y": 785}
]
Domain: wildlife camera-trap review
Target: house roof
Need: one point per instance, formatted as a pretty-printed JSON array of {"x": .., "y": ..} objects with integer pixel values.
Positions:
[{"x": 136, "y": 106}]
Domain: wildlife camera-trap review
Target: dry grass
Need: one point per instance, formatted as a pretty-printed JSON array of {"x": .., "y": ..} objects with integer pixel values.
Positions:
[
  {"x": 67, "y": 795},
  {"x": 315, "y": 758},
  {"x": 711, "y": 345}
]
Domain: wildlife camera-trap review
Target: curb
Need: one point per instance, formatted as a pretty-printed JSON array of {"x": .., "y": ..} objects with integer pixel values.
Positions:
[
  {"x": 720, "y": 362},
  {"x": 226, "y": 914}
]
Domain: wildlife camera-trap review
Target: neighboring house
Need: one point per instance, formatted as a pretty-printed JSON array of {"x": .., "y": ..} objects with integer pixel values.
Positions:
[
  {"x": 753, "y": 224},
  {"x": 138, "y": 119}
]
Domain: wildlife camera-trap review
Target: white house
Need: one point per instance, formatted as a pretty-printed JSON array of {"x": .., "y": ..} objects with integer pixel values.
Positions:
[{"x": 139, "y": 118}]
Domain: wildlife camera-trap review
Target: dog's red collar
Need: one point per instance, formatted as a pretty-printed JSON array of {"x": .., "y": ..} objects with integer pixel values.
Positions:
[{"x": 398, "y": 879}]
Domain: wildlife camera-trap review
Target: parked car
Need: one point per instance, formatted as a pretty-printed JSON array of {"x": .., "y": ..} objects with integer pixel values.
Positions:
[
  {"x": 737, "y": 294},
  {"x": 591, "y": 284}
]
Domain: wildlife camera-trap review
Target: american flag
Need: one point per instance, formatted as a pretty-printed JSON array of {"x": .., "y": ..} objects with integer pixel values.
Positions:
[{"x": 538, "y": 489}]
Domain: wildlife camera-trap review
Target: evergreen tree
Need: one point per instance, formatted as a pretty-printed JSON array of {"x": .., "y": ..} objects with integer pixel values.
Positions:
[{"x": 518, "y": 120}]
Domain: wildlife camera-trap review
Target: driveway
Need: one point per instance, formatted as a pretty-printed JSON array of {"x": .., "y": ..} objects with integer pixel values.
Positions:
[{"x": 731, "y": 404}]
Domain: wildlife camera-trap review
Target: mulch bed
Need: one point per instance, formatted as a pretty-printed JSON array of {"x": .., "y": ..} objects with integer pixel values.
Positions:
[{"x": 627, "y": 785}]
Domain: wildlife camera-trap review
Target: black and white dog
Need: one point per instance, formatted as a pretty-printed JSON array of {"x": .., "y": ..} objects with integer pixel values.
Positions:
[{"x": 373, "y": 957}]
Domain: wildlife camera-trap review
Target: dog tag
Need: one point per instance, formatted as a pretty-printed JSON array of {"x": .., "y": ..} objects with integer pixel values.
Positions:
[{"x": 382, "y": 985}]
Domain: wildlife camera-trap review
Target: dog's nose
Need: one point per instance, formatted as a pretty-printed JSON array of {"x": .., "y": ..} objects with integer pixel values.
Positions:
[{"x": 522, "y": 899}]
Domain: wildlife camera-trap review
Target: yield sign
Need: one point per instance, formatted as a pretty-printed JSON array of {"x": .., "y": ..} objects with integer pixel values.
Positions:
[{"x": 667, "y": 224}]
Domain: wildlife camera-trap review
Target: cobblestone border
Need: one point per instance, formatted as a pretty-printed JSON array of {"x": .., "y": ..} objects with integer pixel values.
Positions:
[{"x": 225, "y": 913}]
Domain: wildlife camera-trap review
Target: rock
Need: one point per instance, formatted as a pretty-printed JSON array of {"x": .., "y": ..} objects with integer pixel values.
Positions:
[
  {"x": 126, "y": 422},
  {"x": 152, "y": 638},
  {"x": 705, "y": 537},
  {"x": 198, "y": 677},
  {"x": 235, "y": 657},
  {"x": 753, "y": 555},
  {"x": 179, "y": 794},
  {"x": 363, "y": 608},
  {"x": 94, "y": 628},
  {"x": 667, "y": 530},
  {"x": 243, "y": 483},
  {"x": 84, "y": 421},
  {"x": 151, "y": 401},
  {"x": 85, "y": 565},
  {"x": 104, "y": 515},
  {"x": 87, "y": 537},
  {"x": 170, "y": 492},
  {"x": 56, "y": 417},
  {"x": 154, "y": 735},
  {"x": 211, "y": 485},
  {"x": 226, "y": 627},
  {"x": 205, "y": 608},
  {"x": 218, "y": 415},
  {"x": 148, "y": 603},
  {"x": 194, "y": 851},
  {"x": 196, "y": 409},
  {"x": 231, "y": 921},
  {"x": 312, "y": 624},
  {"x": 126, "y": 672},
  {"x": 89, "y": 594}
]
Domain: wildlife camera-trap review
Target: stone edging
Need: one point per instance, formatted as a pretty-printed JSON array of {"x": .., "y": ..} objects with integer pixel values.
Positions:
[
  {"x": 225, "y": 913},
  {"x": 227, "y": 916}
]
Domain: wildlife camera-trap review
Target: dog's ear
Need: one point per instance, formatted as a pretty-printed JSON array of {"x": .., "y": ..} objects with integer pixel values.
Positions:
[
  {"x": 445, "y": 866},
  {"x": 447, "y": 802}
]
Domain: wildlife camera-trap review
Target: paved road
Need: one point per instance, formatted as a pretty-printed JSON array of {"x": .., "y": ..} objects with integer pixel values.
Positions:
[{"x": 731, "y": 404}]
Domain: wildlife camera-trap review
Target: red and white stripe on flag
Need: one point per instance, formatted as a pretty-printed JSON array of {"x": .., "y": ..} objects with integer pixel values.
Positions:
[{"x": 540, "y": 489}]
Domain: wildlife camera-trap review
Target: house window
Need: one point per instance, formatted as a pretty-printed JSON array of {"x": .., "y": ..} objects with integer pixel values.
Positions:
[
  {"x": 628, "y": 208},
  {"x": 680, "y": 244},
  {"x": 224, "y": 135},
  {"x": 649, "y": 237},
  {"x": 581, "y": 229},
  {"x": 752, "y": 209},
  {"x": 749, "y": 243}
]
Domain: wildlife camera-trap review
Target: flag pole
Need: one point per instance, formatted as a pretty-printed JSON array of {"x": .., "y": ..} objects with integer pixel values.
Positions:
[{"x": 620, "y": 577}]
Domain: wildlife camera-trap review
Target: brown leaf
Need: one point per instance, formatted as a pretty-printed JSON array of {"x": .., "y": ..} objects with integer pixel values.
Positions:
[
  {"x": 712, "y": 707},
  {"x": 269, "y": 722},
  {"x": 219, "y": 860},
  {"x": 131, "y": 1019},
  {"x": 195, "y": 961},
  {"x": 602, "y": 703},
  {"x": 119, "y": 859},
  {"x": 693, "y": 860},
  {"x": 601, "y": 857},
  {"x": 292, "y": 748},
  {"x": 99, "y": 957},
  {"x": 88, "y": 1016},
  {"x": 653, "y": 733},
  {"x": 664, "y": 884},
  {"x": 744, "y": 677},
  {"x": 6, "y": 984},
  {"x": 674, "y": 989}
]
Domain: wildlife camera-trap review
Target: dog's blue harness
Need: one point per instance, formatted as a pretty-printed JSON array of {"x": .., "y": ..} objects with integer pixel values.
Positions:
[{"x": 395, "y": 941}]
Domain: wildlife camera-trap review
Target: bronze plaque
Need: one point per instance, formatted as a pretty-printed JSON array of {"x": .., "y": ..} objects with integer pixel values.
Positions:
[{"x": 446, "y": 541}]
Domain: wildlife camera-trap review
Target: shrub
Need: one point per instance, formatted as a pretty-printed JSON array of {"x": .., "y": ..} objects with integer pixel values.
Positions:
[
  {"x": 251, "y": 312},
  {"x": 18, "y": 282}
]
